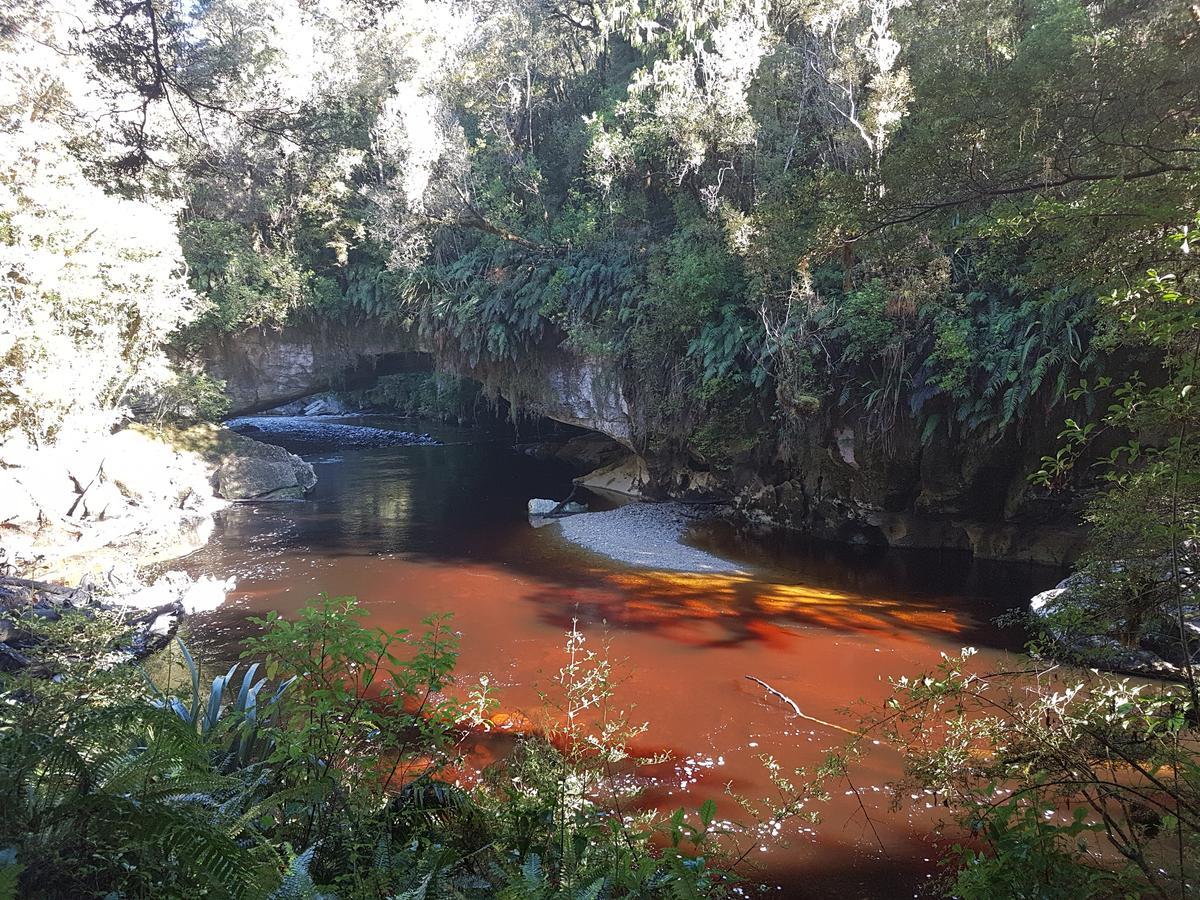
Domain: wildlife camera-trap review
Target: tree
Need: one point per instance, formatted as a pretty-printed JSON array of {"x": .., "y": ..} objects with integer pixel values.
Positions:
[{"x": 91, "y": 284}]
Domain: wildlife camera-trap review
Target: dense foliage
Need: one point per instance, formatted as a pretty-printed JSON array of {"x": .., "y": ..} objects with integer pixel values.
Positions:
[
  {"x": 91, "y": 283},
  {"x": 1064, "y": 785},
  {"x": 902, "y": 210},
  {"x": 326, "y": 768}
]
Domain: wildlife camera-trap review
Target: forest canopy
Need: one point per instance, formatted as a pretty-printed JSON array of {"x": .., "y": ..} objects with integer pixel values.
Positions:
[{"x": 905, "y": 208}]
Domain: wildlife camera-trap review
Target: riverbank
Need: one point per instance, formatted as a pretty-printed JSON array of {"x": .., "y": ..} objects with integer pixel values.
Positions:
[
  {"x": 136, "y": 497},
  {"x": 130, "y": 617}
]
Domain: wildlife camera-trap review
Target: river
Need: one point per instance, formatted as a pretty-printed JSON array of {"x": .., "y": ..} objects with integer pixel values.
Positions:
[{"x": 418, "y": 530}]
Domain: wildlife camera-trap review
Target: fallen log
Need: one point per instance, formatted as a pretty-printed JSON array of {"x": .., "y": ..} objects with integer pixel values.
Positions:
[{"x": 44, "y": 586}]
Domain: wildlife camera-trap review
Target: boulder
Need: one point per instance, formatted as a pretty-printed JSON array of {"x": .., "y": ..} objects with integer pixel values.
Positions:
[
  {"x": 258, "y": 479},
  {"x": 1070, "y": 607},
  {"x": 250, "y": 470}
]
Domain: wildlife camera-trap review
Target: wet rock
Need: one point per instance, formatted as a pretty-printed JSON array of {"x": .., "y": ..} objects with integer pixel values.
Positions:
[
  {"x": 258, "y": 479},
  {"x": 251, "y": 470},
  {"x": 627, "y": 477},
  {"x": 1069, "y": 607}
]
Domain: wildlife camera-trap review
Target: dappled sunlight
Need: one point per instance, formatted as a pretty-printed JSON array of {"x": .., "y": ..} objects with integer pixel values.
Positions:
[{"x": 669, "y": 598}]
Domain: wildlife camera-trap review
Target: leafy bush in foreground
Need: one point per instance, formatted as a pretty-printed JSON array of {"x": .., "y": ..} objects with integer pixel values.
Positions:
[{"x": 337, "y": 785}]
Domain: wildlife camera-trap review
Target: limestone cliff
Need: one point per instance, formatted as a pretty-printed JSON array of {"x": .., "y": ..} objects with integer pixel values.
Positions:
[{"x": 827, "y": 479}]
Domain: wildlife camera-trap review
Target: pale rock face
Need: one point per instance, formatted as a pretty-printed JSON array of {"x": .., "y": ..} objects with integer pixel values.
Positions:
[
  {"x": 590, "y": 397},
  {"x": 626, "y": 477},
  {"x": 136, "y": 495},
  {"x": 268, "y": 367},
  {"x": 265, "y": 368}
]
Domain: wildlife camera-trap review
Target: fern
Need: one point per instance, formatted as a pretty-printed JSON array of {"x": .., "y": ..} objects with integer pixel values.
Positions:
[{"x": 10, "y": 874}]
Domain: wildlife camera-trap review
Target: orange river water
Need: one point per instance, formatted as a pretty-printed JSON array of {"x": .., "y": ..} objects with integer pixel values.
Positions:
[{"x": 413, "y": 531}]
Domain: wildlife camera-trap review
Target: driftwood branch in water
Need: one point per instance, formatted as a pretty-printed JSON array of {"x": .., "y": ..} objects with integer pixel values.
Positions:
[
  {"x": 796, "y": 707},
  {"x": 854, "y": 788}
]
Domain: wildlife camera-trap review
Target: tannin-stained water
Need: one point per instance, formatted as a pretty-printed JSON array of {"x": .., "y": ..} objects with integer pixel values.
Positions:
[{"x": 413, "y": 531}]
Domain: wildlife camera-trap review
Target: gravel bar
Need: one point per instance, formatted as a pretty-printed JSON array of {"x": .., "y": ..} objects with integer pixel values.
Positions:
[
  {"x": 308, "y": 433},
  {"x": 649, "y": 535}
]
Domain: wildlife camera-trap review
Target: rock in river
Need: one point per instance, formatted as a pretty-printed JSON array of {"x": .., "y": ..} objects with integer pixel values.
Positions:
[{"x": 539, "y": 507}]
